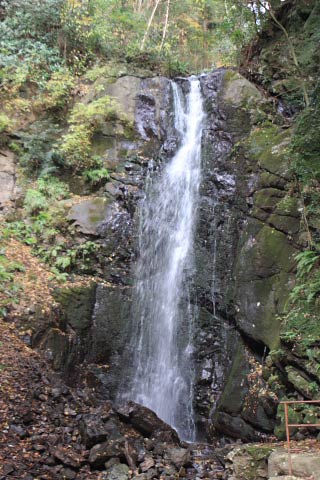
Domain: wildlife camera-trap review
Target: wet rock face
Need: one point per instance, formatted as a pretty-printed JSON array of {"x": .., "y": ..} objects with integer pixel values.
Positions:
[{"x": 245, "y": 242}]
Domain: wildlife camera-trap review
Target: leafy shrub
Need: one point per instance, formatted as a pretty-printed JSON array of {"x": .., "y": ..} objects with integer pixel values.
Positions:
[
  {"x": 52, "y": 188},
  {"x": 46, "y": 189},
  {"x": 34, "y": 149},
  {"x": 34, "y": 201},
  {"x": 5, "y": 123},
  {"x": 62, "y": 258},
  {"x": 85, "y": 120},
  {"x": 76, "y": 147},
  {"x": 305, "y": 145},
  {"x": 8, "y": 287},
  {"x": 300, "y": 323},
  {"x": 97, "y": 72},
  {"x": 20, "y": 231},
  {"x": 96, "y": 176},
  {"x": 96, "y": 112},
  {"x": 58, "y": 90}
]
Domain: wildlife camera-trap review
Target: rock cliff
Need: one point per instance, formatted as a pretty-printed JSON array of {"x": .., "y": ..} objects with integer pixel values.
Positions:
[{"x": 247, "y": 235}]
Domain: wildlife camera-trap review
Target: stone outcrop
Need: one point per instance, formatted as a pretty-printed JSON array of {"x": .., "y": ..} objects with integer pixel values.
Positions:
[
  {"x": 8, "y": 178},
  {"x": 304, "y": 465}
]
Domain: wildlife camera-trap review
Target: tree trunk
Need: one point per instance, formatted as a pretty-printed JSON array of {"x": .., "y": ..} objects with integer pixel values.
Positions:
[
  {"x": 165, "y": 25},
  {"x": 149, "y": 24}
]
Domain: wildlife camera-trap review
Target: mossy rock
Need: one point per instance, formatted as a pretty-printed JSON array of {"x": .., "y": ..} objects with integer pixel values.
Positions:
[
  {"x": 57, "y": 348},
  {"x": 268, "y": 146},
  {"x": 264, "y": 264},
  {"x": 238, "y": 91},
  {"x": 250, "y": 462},
  {"x": 77, "y": 306},
  {"x": 302, "y": 383},
  {"x": 270, "y": 180},
  {"x": 267, "y": 198},
  {"x": 88, "y": 214},
  {"x": 286, "y": 224},
  {"x": 289, "y": 205},
  {"x": 270, "y": 253},
  {"x": 236, "y": 388}
]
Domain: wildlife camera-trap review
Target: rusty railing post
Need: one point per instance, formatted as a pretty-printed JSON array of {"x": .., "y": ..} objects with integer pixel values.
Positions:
[{"x": 286, "y": 414}]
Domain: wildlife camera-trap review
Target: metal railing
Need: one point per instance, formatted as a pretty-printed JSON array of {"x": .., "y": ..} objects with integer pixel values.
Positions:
[{"x": 286, "y": 404}]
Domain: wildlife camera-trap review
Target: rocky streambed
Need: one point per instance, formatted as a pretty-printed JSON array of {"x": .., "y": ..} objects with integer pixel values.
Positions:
[{"x": 49, "y": 431}]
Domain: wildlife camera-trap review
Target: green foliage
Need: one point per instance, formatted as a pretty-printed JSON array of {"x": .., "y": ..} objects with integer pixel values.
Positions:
[
  {"x": 20, "y": 231},
  {"x": 34, "y": 150},
  {"x": 305, "y": 145},
  {"x": 5, "y": 123},
  {"x": 85, "y": 120},
  {"x": 29, "y": 31},
  {"x": 75, "y": 33},
  {"x": 46, "y": 189},
  {"x": 76, "y": 147},
  {"x": 300, "y": 323},
  {"x": 8, "y": 287},
  {"x": 306, "y": 261},
  {"x": 96, "y": 112},
  {"x": 58, "y": 90},
  {"x": 98, "y": 71},
  {"x": 96, "y": 176},
  {"x": 52, "y": 188},
  {"x": 63, "y": 259},
  {"x": 34, "y": 202}
]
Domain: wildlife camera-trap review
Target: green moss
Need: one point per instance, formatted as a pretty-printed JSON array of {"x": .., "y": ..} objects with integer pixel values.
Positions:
[
  {"x": 86, "y": 122},
  {"x": 273, "y": 249},
  {"x": 234, "y": 392},
  {"x": 58, "y": 90},
  {"x": 294, "y": 417},
  {"x": 288, "y": 205},
  {"x": 298, "y": 414},
  {"x": 267, "y": 198},
  {"x": 259, "y": 452},
  {"x": 268, "y": 146},
  {"x": 251, "y": 461},
  {"x": 301, "y": 384},
  {"x": 238, "y": 91}
]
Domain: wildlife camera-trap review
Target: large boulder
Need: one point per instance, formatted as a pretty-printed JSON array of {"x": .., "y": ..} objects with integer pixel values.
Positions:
[
  {"x": 147, "y": 422},
  {"x": 88, "y": 214},
  {"x": 305, "y": 465}
]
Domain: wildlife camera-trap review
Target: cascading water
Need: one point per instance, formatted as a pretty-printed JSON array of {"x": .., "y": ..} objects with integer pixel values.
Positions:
[{"x": 163, "y": 315}]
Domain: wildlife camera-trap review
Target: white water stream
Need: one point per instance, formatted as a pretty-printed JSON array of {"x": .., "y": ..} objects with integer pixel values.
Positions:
[{"x": 163, "y": 315}]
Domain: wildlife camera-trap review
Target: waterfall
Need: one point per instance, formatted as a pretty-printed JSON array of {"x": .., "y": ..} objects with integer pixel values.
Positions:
[{"x": 163, "y": 315}]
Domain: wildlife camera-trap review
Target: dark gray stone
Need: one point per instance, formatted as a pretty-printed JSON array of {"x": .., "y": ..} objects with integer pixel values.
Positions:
[
  {"x": 100, "y": 453},
  {"x": 180, "y": 457},
  {"x": 94, "y": 430},
  {"x": 88, "y": 214}
]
